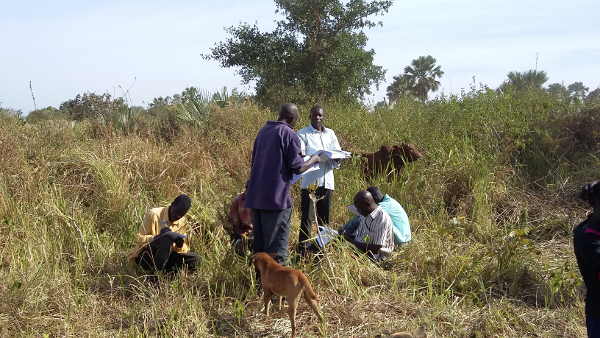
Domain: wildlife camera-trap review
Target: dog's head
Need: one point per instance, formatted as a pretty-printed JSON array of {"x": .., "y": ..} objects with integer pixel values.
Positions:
[{"x": 259, "y": 257}]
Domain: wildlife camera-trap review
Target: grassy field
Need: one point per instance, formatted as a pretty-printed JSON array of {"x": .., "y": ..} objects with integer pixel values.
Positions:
[{"x": 492, "y": 206}]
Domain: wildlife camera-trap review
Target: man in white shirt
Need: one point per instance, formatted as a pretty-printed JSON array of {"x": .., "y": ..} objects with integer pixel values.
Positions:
[
  {"x": 313, "y": 138},
  {"x": 375, "y": 234}
]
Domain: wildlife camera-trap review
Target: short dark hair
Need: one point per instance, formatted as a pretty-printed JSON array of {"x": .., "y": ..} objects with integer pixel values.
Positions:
[
  {"x": 183, "y": 201},
  {"x": 288, "y": 111},
  {"x": 317, "y": 109},
  {"x": 377, "y": 195}
]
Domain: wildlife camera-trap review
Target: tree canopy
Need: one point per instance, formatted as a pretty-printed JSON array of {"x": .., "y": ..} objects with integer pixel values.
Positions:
[
  {"x": 316, "y": 53},
  {"x": 418, "y": 79},
  {"x": 531, "y": 79},
  {"x": 575, "y": 91}
]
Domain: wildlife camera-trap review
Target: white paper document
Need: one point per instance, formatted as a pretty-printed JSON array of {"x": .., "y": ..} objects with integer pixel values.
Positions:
[
  {"x": 313, "y": 168},
  {"x": 325, "y": 234},
  {"x": 333, "y": 154},
  {"x": 352, "y": 208}
]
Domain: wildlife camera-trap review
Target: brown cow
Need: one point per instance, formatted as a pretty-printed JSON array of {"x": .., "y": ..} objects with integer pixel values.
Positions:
[{"x": 379, "y": 161}]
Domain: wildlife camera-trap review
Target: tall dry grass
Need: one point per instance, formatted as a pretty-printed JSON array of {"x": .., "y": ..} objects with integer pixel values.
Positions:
[{"x": 491, "y": 207}]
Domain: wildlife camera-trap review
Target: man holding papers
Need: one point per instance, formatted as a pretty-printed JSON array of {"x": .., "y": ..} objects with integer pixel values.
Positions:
[
  {"x": 276, "y": 157},
  {"x": 316, "y": 139}
]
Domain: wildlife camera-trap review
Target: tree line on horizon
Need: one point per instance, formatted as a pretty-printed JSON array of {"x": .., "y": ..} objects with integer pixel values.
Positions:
[{"x": 317, "y": 53}]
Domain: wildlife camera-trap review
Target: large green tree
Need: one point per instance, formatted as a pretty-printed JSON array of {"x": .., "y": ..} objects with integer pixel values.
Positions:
[
  {"x": 419, "y": 79},
  {"x": 316, "y": 53}
]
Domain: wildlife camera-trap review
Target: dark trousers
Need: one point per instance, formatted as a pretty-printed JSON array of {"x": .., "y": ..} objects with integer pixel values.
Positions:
[
  {"x": 159, "y": 256},
  {"x": 322, "y": 212},
  {"x": 272, "y": 232},
  {"x": 593, "y": 326}
]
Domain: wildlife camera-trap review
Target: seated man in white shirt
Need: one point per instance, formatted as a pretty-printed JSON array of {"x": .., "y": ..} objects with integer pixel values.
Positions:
[{"x": 375, "y": 234}]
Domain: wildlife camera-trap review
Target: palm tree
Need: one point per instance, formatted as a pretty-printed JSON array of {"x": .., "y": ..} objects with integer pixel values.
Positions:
[
  {"x": 421, "y": 76},
  {"x": 399, "y": 87},
  {"x": 531, "y": 79}
]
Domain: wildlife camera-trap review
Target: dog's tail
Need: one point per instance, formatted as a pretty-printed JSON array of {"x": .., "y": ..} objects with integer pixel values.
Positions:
[{"x": 308, "y": 291}]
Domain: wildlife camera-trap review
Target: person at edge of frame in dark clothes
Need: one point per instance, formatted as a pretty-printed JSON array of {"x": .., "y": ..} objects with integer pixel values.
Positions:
[{"x": 586, "y": 243}]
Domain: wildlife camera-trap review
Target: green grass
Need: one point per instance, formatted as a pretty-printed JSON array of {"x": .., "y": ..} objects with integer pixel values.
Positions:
[{"x": 491, "y": 207}]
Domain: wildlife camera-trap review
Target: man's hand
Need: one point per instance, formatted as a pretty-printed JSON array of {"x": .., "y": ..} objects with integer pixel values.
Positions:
[
  {"x": 178, "y": 241},
  {"x": 311, "y": 161},
  {"x": 587, "y": 192},
  {"x": 175, "y": 236},
  {"x": 348, "y": 237},
  {"x": 316, "y": 158}
]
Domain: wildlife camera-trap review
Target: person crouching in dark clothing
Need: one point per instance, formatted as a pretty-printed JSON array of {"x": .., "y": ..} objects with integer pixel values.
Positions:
[{"x": 586, "y": 242}]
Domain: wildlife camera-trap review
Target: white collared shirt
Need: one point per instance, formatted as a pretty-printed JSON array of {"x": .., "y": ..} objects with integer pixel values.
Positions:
[
  {"x": 379, "y": 228},
  {"x": 312, "y": 141}
]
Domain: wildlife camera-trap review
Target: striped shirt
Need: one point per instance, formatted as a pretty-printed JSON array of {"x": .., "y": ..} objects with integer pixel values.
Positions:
[{"x": 377, "y": 228}]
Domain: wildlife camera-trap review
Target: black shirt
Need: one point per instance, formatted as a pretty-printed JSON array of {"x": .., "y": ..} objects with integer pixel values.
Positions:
[{"x": 586, "y": 242}]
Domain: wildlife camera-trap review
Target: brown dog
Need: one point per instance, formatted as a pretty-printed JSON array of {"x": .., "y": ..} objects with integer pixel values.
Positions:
[
  {"x": 280, "y": 281},
  {"x": 387, "y": 159}
]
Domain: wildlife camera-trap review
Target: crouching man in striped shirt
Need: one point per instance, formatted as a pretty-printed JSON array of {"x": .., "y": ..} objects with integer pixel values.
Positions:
[{"x": 375, "y": 234}]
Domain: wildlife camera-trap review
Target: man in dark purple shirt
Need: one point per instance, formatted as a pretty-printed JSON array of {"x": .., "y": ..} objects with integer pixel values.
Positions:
[{"x": 276, "y": 157}]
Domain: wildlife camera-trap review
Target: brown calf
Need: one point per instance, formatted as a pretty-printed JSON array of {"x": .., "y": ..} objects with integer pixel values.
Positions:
[{"x": 388, "y": 159}]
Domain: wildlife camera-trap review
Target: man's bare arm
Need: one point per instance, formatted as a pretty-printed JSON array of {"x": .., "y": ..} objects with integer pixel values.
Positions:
[{"x": 311, "y": 161}]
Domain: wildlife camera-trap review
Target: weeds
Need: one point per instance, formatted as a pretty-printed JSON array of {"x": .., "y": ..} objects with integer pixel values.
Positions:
[{"x": 491, "y": 209}]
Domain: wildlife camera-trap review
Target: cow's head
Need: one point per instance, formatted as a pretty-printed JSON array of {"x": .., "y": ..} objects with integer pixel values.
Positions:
[{"x": 403, "y": 153}]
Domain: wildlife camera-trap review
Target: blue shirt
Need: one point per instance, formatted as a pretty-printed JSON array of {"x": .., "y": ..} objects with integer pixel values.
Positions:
[
  {"x": 275, "y": 158},
  {"x": 399, "y": 218},
  {"x": 311, "y": 141}
]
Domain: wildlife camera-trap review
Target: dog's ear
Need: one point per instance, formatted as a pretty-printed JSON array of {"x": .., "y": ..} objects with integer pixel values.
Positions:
[
  {"x": 272, "y": 255},
  {"x": 252, "y": 260}
]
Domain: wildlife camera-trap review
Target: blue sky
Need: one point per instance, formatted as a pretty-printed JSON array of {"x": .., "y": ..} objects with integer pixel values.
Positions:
[{"x": 153, "y": 48}]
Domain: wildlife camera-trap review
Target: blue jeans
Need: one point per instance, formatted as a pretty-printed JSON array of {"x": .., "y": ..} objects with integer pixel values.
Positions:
[
  {"x": 272, "y": 232},
  {"x": 593, "y": 326},
  {"x": 351, "y": 226}
]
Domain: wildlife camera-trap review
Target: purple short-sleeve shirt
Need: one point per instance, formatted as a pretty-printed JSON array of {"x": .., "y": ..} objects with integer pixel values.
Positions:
[{"x": 275, "y": 158}]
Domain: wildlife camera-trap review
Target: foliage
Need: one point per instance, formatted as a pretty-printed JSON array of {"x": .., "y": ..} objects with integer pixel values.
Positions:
[
  {"x": 593, "y": 96},
  {"x": 418, "y": 79},
  {"x": 491, "y": 209},
  {"x": 529, "y": 80},
  {"x": 46, "y": 114},
  {"x": 399, "y": 87},
  {"x": 579, "y": 90},
  {"x": 94, "y": 107},
  {"x": 559, "y": 90},
  {"x": 316, "y": 53}
]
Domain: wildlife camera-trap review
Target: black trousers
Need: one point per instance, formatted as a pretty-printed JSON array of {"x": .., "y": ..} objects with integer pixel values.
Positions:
[
  {"x": 159, "y": 256},
  {"x": 323, "y": 211}
]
